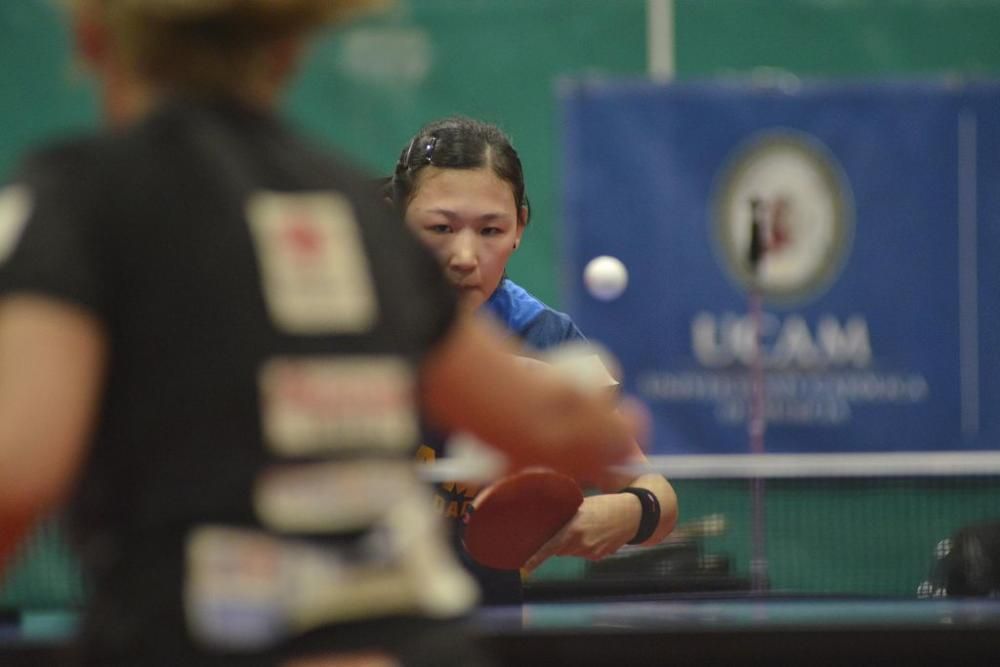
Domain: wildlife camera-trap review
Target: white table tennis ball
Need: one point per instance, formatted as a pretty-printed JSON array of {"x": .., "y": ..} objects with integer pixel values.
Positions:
[{"x": 605, "y": 277}]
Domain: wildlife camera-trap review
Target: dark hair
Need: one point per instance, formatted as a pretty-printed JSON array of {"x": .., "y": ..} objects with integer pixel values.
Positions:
[{"x": 457, "y": 142}]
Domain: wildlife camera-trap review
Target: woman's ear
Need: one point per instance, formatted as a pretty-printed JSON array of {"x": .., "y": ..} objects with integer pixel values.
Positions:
[
  {"x": 518, "y": 234},
  {"x": 522, "y": 222}
]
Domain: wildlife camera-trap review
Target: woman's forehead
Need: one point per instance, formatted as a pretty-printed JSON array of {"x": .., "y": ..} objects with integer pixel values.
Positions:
[{"x": 438, "y": 186}]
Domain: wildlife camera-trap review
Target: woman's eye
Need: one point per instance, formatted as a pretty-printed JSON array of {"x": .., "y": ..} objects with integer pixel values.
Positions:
[
  {"x": 491, "y": 231},
  {"x": 439, "y": 229}
]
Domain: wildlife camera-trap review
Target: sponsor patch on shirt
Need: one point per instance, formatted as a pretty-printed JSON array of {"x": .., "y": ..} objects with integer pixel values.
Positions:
[
  {"x": 319, "y": 405},
  {"x": 15, "y": 209},
  {"x": 245, "y": 590},
  {"x": 232, "y": 589},
  {"x": 315, "y": 272},
  {"x": 334, "y": 497}
]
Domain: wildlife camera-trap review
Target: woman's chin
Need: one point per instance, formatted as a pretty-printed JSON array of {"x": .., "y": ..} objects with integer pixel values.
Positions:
[{"x": 470, "y": 299}]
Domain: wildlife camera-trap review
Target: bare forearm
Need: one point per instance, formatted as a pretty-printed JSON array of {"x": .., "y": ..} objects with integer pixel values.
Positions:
[
  {"x": 14, "y": 527},
  {"x": 51, "y": 366},
  {"x": 22, "y": 501},
  {"x": 472, "y": 383},
  {"x": 606, "y": 522}
]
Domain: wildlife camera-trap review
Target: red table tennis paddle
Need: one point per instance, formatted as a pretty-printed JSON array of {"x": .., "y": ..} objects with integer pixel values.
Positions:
[{"x": 512, "y": 518}]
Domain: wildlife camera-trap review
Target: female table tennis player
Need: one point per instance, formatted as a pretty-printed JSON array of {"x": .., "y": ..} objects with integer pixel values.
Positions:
[
  {"x": 460, "y": 186},
  {"x": 211, "y": 339}
]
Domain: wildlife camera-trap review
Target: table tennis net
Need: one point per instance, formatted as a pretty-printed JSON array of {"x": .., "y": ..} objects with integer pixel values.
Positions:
[
  {"x": 851, "y": 524},
  {"x": 854, "y": 524}
]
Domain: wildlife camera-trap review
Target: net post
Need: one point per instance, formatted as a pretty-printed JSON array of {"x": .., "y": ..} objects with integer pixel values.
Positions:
[{"x": 757, "y": 418}]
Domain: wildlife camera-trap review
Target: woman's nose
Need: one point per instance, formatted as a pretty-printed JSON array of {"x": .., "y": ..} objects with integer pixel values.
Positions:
[{"x": 463, "y": 251}]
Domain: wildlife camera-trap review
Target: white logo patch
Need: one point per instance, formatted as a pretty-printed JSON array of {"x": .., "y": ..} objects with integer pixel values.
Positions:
[
  {"x": 334, "y": 497},
  {"x": 15, "y": 209},
  {"x": 246, "y": 590},
  {"x": 315, "y": 273},
  {"x": 317, "y": 405}
]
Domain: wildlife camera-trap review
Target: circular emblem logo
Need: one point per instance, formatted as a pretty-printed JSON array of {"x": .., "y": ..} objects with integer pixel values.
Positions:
[{"x": 783, "y": 217}]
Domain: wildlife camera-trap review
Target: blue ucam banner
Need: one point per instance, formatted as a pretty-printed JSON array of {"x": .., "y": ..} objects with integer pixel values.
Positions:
[{"x": 878, "y": 207}]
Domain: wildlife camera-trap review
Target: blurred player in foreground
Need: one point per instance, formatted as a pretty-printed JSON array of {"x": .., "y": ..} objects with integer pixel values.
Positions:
[
  {"x": 212, "y": 342},
  {"x": 460, "y": 186}
]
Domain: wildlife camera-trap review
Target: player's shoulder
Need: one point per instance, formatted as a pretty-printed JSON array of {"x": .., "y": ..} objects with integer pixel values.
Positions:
[
  {"x": 63, "y": 179},
  {"x": 535, "y": 322},
  {"x": 514, "y": 305},
  {"x": 230, "y": 128},
  {"x": 248, "y": 148},
  {"x": 71, "y": 160},
  {"x": 363, "y": 187},
  {"x": 550, "y": 328}
]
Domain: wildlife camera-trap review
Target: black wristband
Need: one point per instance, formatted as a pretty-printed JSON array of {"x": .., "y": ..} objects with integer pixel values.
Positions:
[{"x": 650, "y": 513}]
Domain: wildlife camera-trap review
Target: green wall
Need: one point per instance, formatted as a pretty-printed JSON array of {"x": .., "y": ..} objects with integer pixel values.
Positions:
[
  {"x": 837, "y": 38},
  {"x": 366, "y": 89},
  {"x": 42, "y": 91}
]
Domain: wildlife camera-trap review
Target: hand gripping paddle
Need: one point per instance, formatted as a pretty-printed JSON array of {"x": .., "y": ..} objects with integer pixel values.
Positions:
[{"x": 512, "y": 518}]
